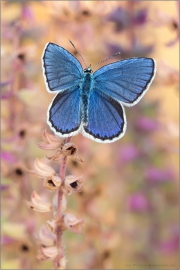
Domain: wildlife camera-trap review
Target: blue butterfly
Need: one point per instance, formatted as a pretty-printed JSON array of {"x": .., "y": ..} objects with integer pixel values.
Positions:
[{"x": 92, "y": 103}]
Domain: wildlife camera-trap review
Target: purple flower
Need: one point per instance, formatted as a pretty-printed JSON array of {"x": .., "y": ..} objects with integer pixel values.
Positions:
[
  {"x": 140, "y": 16},
  {"x": 4, "y": 187},
  {"x": 6, "y": 95},
  {"x": 147, "y": 124},
  {"x": 124, "y": 19},
  {"x": 27, "y": 13},
  {"x": 128, "y": 153},
  {"x": 5, "y": 240},
  {"x": 138, "y": 202},
  {"x": 120, "y": 17},
  {"x": 7, "y": 156},
  {"x": 156, "y": 175},
  {"x": 3, "y": 84},
  {"x": 136, "y": 50},
  {"x": 172, "y": 244}
]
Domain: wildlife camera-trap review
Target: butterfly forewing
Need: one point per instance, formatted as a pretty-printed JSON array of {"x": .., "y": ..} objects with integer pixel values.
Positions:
[
  {"x": 126, "y": 80},
  {"x": 61, "y": 69}
]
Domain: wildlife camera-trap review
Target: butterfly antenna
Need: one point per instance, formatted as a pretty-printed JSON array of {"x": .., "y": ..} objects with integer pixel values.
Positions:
[
  {"x": 107, "y": 58},
  {"x": 77, "y": 52}
]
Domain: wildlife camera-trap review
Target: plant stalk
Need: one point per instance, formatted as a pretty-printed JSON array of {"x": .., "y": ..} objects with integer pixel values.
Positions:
[{"x": 59, "y": 216}]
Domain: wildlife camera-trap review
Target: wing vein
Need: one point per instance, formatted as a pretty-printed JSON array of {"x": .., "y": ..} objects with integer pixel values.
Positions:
[
  {"x": 61, "y": 104},
  {"x": 114, "y": 93},
  {"x": 107, "y": 106}
]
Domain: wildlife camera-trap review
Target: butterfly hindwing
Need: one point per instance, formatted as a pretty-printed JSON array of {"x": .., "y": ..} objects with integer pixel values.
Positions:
[
  {"x": 60, "y": 68},
  {"x": 64, "y": 115},
  {"x": 106, "y": 118},
  {"x": 126, "y": 80}
]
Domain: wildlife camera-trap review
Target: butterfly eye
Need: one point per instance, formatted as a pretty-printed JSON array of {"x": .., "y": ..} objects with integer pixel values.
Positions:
[{"x": 88, "y": 70}]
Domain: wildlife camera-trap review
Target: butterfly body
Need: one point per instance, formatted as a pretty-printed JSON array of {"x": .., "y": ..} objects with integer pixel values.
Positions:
[
  {"x": 93, "y": 103},
  {"x": 86, "y": 89}
]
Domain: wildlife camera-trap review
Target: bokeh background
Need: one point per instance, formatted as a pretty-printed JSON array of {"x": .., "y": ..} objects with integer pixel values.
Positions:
[{"x": 130, "y": 197}]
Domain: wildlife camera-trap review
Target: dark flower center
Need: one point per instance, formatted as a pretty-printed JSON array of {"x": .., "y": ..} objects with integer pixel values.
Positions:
[
  {"x": 81, "y": 194},
  {"x": 72, "y": 149},
  {"x": 51, "y": 182},
  {"x": 85, "y": 13},
  {"x": 74, "y": 184},
  {"x": 75, "y": 163},
  {"x": 175, "y": 25},
  {"x": 22, "y": 133},
  {"x": 106, "y": 254},
  {"x": 21, "y": 56},
  {"x": 24, "y": 248},
  {"x": 19, "y": 171}
]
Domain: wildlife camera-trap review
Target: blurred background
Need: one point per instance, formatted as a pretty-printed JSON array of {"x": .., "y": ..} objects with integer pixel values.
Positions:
[{"x": 130, "y": 197}]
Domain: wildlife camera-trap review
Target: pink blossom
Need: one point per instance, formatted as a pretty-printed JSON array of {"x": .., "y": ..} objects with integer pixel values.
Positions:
[
  {"x": 4, "y": 187},
  {"x": 128, "y": 152},
  {"x": 172, "y": 243},
  {"x": 8, "y": 156},
  {"x": 156, "y": 175},
  {"x": 147, "y": 124},
  {"x": 138, "y": 202}
]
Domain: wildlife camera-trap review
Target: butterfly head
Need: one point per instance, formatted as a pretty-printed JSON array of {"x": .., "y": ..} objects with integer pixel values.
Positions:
[{"x": 88, "y": 70}]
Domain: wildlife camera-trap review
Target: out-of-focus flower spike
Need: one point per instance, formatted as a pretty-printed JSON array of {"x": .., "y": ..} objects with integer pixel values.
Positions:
[
  {"x": 55, "y": 201},
  {"x": 52, "y": 182},
  {"x": 46, "y": 237},
  {"x": 72, "y": 183},
  {"x": 38, "y": 203},
  {"x": 67, "y": 149},
  {"x": 51, "y": 142},
  {"x": 73, "y": 224},
  {"x": 52, "y": 225},
  {"x": 62, "y": 263},
  {"x": 41, "y": 256},
  {"x": 50, "y": 252},
  {"x": 51, "y": 138},
  {"x": 39, "y": 166},
  {"x": 56, "y": 157},
  {"x": 42, "y": 170},
  {"x": 70, "y": 149}
]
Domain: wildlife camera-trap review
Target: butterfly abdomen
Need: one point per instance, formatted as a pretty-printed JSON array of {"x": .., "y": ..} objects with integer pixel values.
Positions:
[{"x": 87, "y": 86}]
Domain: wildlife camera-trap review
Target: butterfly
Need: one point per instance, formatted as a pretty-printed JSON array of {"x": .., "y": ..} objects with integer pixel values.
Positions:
[{"x": 93, "y": 103}]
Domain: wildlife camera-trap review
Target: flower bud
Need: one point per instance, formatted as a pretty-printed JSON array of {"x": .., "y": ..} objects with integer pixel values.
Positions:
[
  {"x": 73, "y": 224},
  {"x": 73, "y": 183},
  {"x": 51, "y": 224},
  {"x": 67, "y": 149},
  {"x": 38, "y": 203},
  {"x": 42, "y": 170},
  {"x": 41, "y": 256},
  {"x": 62, "y": 263},
  {"x": 52, "y": 182},
  {"x": 47, "y": 253},
  {"x": 51, "y": 142},
  {"x": 46, "y": 237}
]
